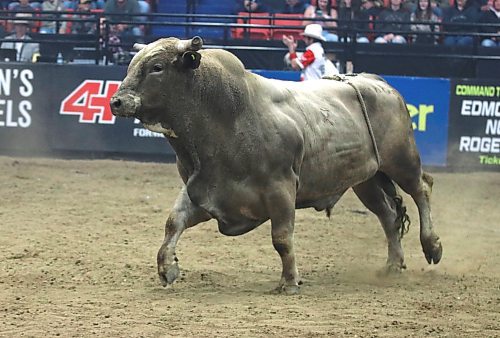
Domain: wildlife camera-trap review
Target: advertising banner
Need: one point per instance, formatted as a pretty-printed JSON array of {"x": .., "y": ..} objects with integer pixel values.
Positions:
[
  {"x": 64, "y": 108},
  {"x": 82, "y": 107},
  {"x": 475, "y": 124},
  {"x": 24, "y": 106},
  {"x": 427, "y": 100}
]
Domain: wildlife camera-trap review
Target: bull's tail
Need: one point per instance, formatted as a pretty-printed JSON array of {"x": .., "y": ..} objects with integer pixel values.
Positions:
[{"x": 402, "y": 218}]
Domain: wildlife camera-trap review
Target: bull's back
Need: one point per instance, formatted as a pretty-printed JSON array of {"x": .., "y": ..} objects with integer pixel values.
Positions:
[{"x": 339, "y": 151}]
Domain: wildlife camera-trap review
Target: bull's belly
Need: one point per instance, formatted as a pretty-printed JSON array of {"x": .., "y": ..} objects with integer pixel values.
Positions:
[
  {"x": 326, "y": 178},
  {"x": 237, "y": 206}
]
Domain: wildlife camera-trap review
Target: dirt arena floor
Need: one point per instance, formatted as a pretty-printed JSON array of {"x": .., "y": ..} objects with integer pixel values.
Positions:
[{"x": 78, "y": 244}]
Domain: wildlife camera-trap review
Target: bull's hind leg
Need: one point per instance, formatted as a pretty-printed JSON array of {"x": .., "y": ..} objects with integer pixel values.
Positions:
[
  {"x": 379, "y": 195},
  {"x": 420, "y": 188},
  {"x": 405, "y": 169},
  {"x": 184, "y": 215}
]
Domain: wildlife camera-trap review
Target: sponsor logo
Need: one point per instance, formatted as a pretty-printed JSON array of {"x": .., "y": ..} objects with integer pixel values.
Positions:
[
  {"x": 16, "y": 90},
  {"x": 419, "y": 115},
  {"x": 480, "y": 108},
  {"x": 490, "y": 160},
  {"x": 477, "y": 90},
  {"x": 90, "y": 101},
  {"x": 143, "y": 132}
]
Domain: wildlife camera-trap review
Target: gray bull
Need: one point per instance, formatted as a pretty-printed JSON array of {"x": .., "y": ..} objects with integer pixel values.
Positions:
[{"x": 250, "y": 149}]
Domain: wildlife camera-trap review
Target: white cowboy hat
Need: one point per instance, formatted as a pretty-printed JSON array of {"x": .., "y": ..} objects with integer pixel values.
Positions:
[{"x": 314, "y": 31}]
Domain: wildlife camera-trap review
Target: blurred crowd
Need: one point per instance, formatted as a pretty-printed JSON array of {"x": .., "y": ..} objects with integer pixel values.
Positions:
[
  {"x": 394, "y": 21},
  {"x": 447, "y": 22},
  {"x": 75, "y": 9},
  {"x": 24, "y": 18}
]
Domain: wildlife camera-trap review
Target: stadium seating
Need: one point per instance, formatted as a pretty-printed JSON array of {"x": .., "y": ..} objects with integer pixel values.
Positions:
[
  {"x": 213, "y": 7},
  {"x": 257, "y": 33},
  {"x": 287, "y": 20},
  {"x": 178, "y": 7},
  {"x": 220, "y": 7}
]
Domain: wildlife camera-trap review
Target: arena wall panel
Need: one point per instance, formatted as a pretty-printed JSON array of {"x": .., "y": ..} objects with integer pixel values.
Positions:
[
  {"x": 474, "y": 140},
  {"x": 48, "y": 109}
]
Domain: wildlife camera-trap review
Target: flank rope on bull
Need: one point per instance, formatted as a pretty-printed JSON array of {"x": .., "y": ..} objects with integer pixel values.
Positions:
[
  {"x": 402, "y": 216},
  {"x": 343, "y": 78}
]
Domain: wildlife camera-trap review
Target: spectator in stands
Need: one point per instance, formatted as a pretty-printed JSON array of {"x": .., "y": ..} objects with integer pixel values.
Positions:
[
  {"x": 392, "y": 22},
  {"x": 439, "y": 6},
  {"x": 252, "y": 6},
  {"x": 460, "y": 13},
  {"x": 371, "y": 8},
  {"x": 295, "y": 7},
  {"x": 424, "y": 13},
  {"x": 491, "y": 17},
  {"x": 110, "y": 41},
  {"x": 49, "y": 27},
  {"x": 73, "y": 4},
  {"x": 26, "y": 52},
  {"x": 120, "y": 9},
  {"x": 346, "y": 14},
  {"x": 411, "y": 6},
  {"x": 24, "y": 6},
  {"x": 313, "y": 62},
  {"x": 84, "y": 27},
  {"x": 479, "y": 8},
  {"x": 324, "y": 14}
]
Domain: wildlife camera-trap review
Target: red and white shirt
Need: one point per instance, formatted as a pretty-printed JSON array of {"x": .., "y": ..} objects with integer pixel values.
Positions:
[{"x": 311, "y": 62}]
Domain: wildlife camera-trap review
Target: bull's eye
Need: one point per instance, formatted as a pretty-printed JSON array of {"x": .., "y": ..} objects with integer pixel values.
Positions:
[{"x": 157, "y": 68}]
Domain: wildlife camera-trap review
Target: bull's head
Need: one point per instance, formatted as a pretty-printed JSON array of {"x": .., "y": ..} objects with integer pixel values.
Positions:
[{"x": 152, "y": 74}]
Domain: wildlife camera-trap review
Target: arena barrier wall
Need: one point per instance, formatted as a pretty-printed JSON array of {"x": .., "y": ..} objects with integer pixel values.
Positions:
[
  {"x": 474, "y": 140},
  {"x": 48, "y": 109}
]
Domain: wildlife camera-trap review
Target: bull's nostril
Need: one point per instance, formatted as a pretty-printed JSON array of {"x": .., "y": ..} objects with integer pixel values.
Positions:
[{"x": 116, "y": 103}]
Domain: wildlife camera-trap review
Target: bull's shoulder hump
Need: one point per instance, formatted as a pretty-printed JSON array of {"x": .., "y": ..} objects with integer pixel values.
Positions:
[
  {"x": 220, "y": 54},
  {"x": 222, "y": 58}
]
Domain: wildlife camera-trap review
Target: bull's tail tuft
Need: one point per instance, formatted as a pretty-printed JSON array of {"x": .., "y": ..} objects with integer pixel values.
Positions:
[
  {"x": 328, "y": 211},
  {"x": 402, "y": 217}
]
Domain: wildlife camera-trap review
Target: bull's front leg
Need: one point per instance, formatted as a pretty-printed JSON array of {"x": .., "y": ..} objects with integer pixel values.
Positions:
[
  {"x": 184, "y": 215},
  {"x": 282, "y": 226}
]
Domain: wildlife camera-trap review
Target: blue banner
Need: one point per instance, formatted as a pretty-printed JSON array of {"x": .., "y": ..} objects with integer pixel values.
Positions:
[
  {"x": 278, "y": 74},
  {"x": 428, "y": 101}
]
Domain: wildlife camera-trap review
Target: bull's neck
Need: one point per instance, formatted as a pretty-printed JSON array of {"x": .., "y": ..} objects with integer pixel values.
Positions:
[{"x": 208, "y": 118}]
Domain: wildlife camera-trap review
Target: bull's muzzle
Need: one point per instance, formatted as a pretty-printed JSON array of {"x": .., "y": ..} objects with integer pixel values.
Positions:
[{"x": 125, "y": 104}]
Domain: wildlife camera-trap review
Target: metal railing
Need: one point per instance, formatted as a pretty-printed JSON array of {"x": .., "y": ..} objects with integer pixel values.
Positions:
[{"x": 101, "y": 50}]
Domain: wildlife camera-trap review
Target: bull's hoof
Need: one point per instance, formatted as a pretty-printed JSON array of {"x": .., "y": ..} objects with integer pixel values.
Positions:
[
  {"x": 287, "y": 290},
  {"x": 393, "y": 269},
  {"x": 169, "y": 275},
  {"x": 433, "y": 251}
]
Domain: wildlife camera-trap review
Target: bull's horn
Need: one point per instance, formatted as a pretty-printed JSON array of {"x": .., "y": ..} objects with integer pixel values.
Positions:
[
  {"x": 139, "y": 46},
  {"x": 196, "y": 43},
  {"x": 193, "y": 44}
]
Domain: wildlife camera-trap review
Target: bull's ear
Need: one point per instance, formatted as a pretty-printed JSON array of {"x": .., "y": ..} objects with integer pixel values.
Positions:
[{"x": 191, "y": 59}]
